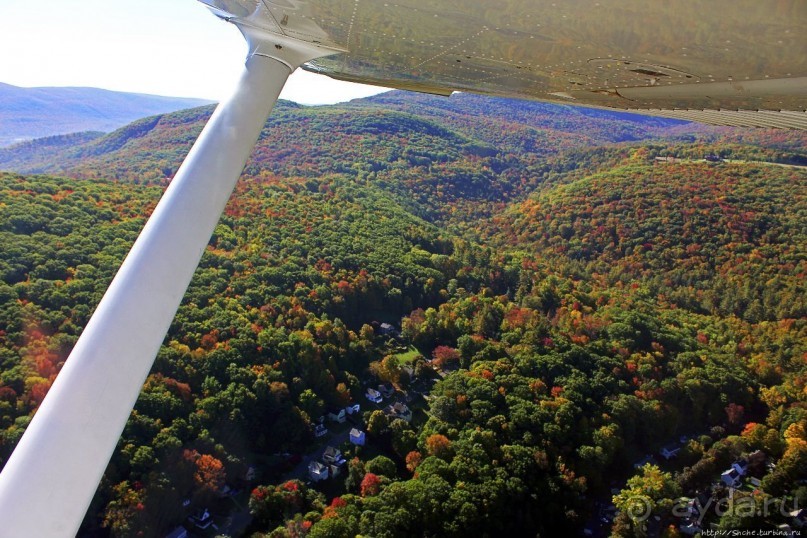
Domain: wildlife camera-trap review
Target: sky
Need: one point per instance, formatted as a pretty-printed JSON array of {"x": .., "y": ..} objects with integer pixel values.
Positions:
[{"x": 163, "y": 47}]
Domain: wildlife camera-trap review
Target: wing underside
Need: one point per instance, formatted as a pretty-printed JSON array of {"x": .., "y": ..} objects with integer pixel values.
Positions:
[{"x": 730, "y": 62}]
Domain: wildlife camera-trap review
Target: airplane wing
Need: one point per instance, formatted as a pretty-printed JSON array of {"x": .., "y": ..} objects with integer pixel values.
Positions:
[{"x": 728, "y": 62}]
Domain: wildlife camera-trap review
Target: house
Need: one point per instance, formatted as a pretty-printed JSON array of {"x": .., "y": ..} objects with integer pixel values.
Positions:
[
  {"x": 756, "y": 463},
  {"x": 690, "y": 527},
  {"x": 799, "y": 518},
  {"x": 373, "y": 395},
  {"x": 386, "y": 390},
  {"x": 179, "y": 532},
  {"x": 333, "y": 455},
  {"x": 320, "y": 430},
  {"x": 399, "y": 410},
  {"x": 741, "y": 466},
  {"x": 786, "y": 530},
  {"x": 669, "y": 451},
  {"x": 227, "y": 491},
  {"x": 201, "y": 519},
  {"x": 388, "y": 329},
  {"x": 354, "y": 408},
  {"x": 690, "y": 508},
  {"x": 409, "y": 369},
  {"x": 317, "y": 471},
  {"x": 337, "y": 415},
  {"x": 731, "y": 477},
  {"x": 644, "y": 461},
  {"x": 356, "y": 419},
  {"x": 251, "y": 474},
  {"x": 357, "y": 437}
]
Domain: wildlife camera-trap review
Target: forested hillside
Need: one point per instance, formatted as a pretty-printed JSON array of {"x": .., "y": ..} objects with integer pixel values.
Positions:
[
  {"x": 727, "y": 238},
  {"x": 548, "y": 299}
]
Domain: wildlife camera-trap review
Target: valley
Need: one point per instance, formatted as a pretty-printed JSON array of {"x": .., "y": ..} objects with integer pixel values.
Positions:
[{"x": 548, "y": 300}]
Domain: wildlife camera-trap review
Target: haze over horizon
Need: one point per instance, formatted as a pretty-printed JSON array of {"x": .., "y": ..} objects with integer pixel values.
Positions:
[{"x": 176, "y": 49}]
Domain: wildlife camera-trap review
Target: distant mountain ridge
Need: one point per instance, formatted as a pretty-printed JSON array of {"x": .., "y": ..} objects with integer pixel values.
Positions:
[
  {"x": 27, "y": 113},
  {"x": 438, "y": 157},
  {"x": 159, "y": 142}
]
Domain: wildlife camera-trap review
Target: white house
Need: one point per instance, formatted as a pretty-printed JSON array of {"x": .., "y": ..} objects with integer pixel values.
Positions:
[
  {"x": 317, "y": 471},
  {"x": 357, "y": 437},
  {"x": 320, "y": 430},
  {"x": 374, "y": 396},
  {"x": 333, "y": 455}
]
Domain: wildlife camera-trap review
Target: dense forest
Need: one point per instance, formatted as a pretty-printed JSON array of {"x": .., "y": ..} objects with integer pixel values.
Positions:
[{"x": 555, "y": 293}]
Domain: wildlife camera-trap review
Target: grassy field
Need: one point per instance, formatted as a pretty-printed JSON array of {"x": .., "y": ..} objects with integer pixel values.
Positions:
[{"x": 408, "y": 356}]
